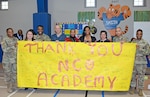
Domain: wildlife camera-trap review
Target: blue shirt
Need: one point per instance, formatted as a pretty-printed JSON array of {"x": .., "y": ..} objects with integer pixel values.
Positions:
[
  {"x": 1, "y": 54},
  {"x": 148, "y": 61},
  {"x": 60, "y": 38},
  {"x": 113, "y": 22}
]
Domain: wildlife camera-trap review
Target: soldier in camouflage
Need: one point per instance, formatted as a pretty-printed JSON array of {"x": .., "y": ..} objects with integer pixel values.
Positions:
[
  {"x": 119, "y": 36},
  {"x": 9, "y": 60},
  {"x": 142, "y": 49},
  {"x": 41, "y": 36}
]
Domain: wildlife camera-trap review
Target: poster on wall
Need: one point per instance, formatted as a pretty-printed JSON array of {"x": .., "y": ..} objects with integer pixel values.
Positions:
[
  {"x": 85, "y": 18},
  {"x": 78, "y": 27},
  {"x": 113, "y": 15}
]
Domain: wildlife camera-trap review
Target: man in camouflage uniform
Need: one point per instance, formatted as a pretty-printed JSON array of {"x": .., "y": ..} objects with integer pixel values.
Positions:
[
  {"x": 9, "y": 60},
  {"x": 41, "y": 36},
  {"x": 119, "y": 36},
  {"x": 140, "y": 64}
]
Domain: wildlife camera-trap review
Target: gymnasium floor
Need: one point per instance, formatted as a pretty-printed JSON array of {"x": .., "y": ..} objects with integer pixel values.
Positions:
[{"x": 62, "y": 93}]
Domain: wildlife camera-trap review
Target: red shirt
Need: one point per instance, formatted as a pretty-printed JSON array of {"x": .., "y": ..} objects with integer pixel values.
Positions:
[{"x": 72, "y": 39}]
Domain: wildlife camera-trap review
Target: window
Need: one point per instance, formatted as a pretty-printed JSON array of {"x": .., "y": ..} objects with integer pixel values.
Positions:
[
  {"x": 4, "y": 4},
  {"x": 90, "y": 3},
  {"x": 139, "y": 2}
]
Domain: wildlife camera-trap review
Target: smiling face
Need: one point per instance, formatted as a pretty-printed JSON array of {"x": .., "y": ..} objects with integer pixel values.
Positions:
[
  {"x": 20, "y": 32},
  {"x": 103, "y": 35},
  {"x": 40, "y": 30},
  {"x": 139, "y": 35},
  {"x": 118, "y": 31},
  {"x": 10, "y": 32},
  {"x": 72, "y": 33},
  {"x": 87, "y": 31},
  {"x": 29, "y": 35},
  {"x": 57, "y": 29}
]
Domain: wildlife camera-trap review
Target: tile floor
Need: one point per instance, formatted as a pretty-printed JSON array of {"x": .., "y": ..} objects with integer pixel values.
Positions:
[{"x": 62, "y": 93}]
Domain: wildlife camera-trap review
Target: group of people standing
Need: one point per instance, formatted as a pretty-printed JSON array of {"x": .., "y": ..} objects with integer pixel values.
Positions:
[{"x": 9, "y": 47}]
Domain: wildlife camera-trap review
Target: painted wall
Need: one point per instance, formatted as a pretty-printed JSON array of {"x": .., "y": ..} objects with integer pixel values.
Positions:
[
  {"x": 19, "y": 15},
  {"x": 59, "y": 13}
]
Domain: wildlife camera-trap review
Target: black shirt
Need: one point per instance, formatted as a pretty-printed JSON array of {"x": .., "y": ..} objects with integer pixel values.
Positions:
[
  {"x": 92, "y": 38},
  {"x": 104, "y": 40}
]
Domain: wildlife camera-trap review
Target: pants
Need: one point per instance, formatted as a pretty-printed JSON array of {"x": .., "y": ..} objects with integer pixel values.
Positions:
[
  {"x": 10, "y": 72},
  {"x": 140, "y": 70}
]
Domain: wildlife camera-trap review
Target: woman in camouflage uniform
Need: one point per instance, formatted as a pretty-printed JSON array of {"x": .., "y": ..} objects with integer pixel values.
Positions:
[{"x": 9, "y": 60}]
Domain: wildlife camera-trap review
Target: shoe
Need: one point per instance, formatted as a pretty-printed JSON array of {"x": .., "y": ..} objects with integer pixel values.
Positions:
[
  {"x": 132, "y": 90},
  {"x": 9, "y": 88},
  {"x": 14, "y": 86},
  {"x": 140, "y": 92}
]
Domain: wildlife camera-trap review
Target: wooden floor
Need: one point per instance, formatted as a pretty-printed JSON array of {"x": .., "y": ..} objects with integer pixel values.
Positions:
[{"x": 63, "y": 93}]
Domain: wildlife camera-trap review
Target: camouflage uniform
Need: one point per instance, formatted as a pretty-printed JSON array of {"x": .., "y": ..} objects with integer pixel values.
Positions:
[
  {"x": 140, "y": 63},
  {"x": 9, "y": 61},
  {"x": 120, "y": 38},
  {"x": 42, "y": 37}
]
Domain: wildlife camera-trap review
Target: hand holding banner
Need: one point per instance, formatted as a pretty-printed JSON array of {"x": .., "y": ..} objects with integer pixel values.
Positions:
[{"x": 75, "y": 66}]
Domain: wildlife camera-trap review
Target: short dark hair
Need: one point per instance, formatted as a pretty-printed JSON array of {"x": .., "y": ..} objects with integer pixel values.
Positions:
[
  {"x": 103, "y": 31},
  {"x": 9, "y": 29},
  {"x": 40, "y": 26},
  {"x": 139, "y": 30}
]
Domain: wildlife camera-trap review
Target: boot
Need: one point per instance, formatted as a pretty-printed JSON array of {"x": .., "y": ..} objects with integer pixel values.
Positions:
[
  {"x": 132, "y": 90},
  {"x": 140, "y": 92},
  {"x": 14, "y": 86},
  {"x": 9, "y": 88}
]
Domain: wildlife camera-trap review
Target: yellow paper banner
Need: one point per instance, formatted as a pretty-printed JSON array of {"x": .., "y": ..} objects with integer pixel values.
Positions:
[{"x": 75, "y": 66}]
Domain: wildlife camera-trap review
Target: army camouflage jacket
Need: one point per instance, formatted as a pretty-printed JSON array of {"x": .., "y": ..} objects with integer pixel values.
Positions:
[
  {"x": 141, "y": 51},
  {"x": 42, "y": 37},
  {"x": 119, "y": 39},
  {"x": 9, "y": 47}
]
